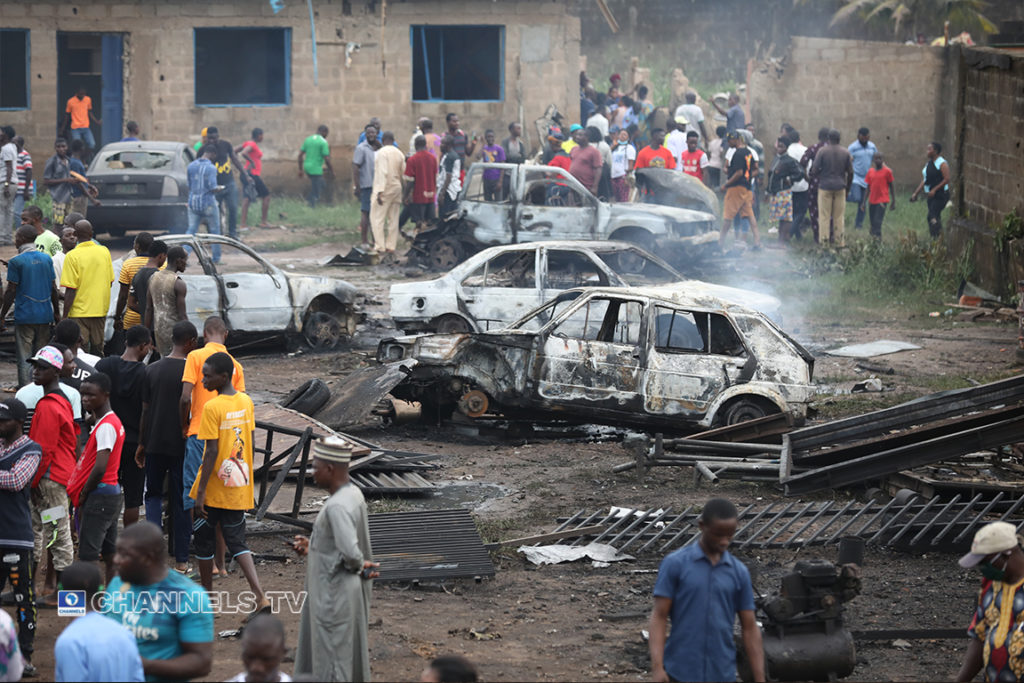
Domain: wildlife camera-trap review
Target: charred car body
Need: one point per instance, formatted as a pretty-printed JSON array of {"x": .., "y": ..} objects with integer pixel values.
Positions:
[
  {"x": 497, "y": 286},
  {"x": 646, "y": 357},
  {"x": 540, "y": 203}
]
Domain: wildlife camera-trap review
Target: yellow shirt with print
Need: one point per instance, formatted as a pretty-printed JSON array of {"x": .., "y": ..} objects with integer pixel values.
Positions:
[{"x": 231, "y": 420}]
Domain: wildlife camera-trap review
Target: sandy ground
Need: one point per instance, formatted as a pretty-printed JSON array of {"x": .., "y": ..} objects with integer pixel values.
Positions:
[{"x": 551, "y": 623}]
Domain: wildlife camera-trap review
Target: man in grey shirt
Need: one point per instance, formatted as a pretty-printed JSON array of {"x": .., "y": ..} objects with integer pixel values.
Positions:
[
  {"x": 833, "y": 168},
  {"x": 362, "y": 178}
]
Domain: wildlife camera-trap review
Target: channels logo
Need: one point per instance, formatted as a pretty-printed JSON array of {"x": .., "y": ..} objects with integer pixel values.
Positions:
[{"x": 70, "y": 603}]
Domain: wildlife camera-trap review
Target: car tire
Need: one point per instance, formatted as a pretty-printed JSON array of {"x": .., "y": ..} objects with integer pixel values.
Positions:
[
  {"x": 322, "y": 331},
  {"x": 449, "y": 323},
  {"x": 746, "y": 408},
  {"x": 308, "y": 398},
  {"x": 627, "y": 263},
  {"x": 446, "y": 253}
]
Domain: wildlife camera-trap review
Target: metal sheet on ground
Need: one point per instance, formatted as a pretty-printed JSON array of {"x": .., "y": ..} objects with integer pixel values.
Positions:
[
  {"x": 351, "y": 404},
  {"x": 428, "y": 546}
]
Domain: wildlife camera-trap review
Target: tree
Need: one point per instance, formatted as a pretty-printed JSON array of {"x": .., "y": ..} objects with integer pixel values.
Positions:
[{"x": 917, "y": 16}]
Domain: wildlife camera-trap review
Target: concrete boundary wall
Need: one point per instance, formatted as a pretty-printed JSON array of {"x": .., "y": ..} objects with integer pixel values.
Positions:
[{"x": 895, "y": 90}]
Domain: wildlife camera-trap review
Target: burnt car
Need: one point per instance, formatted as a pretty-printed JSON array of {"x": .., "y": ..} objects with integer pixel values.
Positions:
[
  {"x": 543, "y": 203},
  {"x": 497, "y": 286},
  {"x": 256, "y": 298},
  {"x": 142, "y": 185},
  {"x": 647, "y": 357}
]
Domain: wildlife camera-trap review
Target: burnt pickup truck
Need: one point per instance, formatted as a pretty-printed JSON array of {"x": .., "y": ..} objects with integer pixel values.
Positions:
[
  {"x": 646, "y": 357},
  {"x": 540, "y": 203}
]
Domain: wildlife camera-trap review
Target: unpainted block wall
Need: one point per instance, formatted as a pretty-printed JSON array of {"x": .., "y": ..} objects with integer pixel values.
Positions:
[
  {"x": 992, "y": 165},
  {"x": 895, "y": 90},
  {"x": 159, "y": 69}
]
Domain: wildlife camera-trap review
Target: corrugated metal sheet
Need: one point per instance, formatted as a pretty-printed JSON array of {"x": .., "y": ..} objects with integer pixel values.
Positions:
[{"x": 429, "y": 545}]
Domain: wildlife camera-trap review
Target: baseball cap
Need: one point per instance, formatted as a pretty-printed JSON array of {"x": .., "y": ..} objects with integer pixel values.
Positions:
[
  {"x": 50, "y": 355},
  {"x": 681, "y": 119},
  {"x": 203, "y": 131},
  {"x": 575, "y": 127},
  {"x": 12, "y": 409},
  {"x": 733, "y": 135},
  {"x": 992, "y": 538}
]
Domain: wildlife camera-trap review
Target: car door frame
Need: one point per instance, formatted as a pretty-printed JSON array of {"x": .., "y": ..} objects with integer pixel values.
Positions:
[
  {"x": 277, "y": 276},
  {"x": 198, "y": 249},
  {"x": 464, "y": 297},
  {"x": 521, "y": 228},
  {"x": 486, "y": 231}
]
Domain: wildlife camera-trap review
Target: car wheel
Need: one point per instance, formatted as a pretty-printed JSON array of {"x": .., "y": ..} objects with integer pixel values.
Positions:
[
  {"x": 308, "y": 398},
  {"x": 744, "y": 409},
  {"x": 322, "y": 331},
  {"x": 446, "y": 253},
  {"x": 449, "y": 323},
  {"x": 632, "y": 263}
]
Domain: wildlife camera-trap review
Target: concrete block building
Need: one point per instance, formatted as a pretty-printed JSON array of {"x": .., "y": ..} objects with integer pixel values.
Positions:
[{"x": 175, "y": 67}]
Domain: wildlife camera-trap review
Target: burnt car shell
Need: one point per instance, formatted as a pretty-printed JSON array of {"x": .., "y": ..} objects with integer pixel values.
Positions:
[{"x": 643, "y": 383}]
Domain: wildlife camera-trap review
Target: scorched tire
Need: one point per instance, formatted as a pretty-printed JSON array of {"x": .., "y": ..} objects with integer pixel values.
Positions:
[
  {"x": 308, "y": 398},
  {"x": 449, "y": 323},
  {"x": 446, "y": 253},
  {"x": 748, "y": 408}
]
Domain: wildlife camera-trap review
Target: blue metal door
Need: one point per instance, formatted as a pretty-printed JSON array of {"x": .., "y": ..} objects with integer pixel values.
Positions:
[{"x": 113, "y": 88}]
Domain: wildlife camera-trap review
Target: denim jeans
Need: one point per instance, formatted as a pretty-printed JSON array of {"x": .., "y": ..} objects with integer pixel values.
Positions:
[
  {"x": 228, "y": 201},
  {"x": 212, "y": 215},
  {"x": 19, "y": 206},
  {"x": 194, "y": 448},
  {"x": 27, "y": 340},
  {"x": 85, "y": 135},
  {"x": 316, "y": 186},
  {"x": 159, "y": 465}
]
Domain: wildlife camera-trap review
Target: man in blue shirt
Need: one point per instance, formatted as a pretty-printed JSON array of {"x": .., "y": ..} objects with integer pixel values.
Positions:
[
  {"x": 202, "y": 202},
  {"x": 735, "y": 118},
  {"x": 93, "y": 647},
  {"x": 169, "y": 614},
  {"x": 32, "y": 290},
  {"x": 702, "y": 588},
  {"x": 863, "y": 152}
]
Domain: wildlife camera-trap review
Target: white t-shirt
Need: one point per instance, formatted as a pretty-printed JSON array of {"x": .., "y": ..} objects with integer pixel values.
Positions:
[
  {"x": 31, "y": 393},
  {"x": 693, "y": 115},
  {"x": 621, "y": 156},
  {"x": 9, "y": 153},
  {"x": 105, "y": 434},
  {"x": 715, "y": 153},
  {"x": 796, "y": 151},
  {"x": 606, "y": 153},
  {"x": 88, "y": 357},
  {"x": 732, "y": 150},
  {"x": 675, "y": 142},
  {"x": 599, "y": 122}
]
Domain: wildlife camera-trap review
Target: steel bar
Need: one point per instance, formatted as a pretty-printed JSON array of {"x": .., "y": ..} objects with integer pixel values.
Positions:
[
  {"x": 616, "y": 525},
  {"x": 727, "y": 446},
  {"x": 874, "y": 466},
  {"x": 829, "y": 523},
  {"x": 637, "y": 522},
  {"x": 768, "y": 524},
  {"x": 949, "y": 527},
  {"x": 606, "y": 522},
  {"x": 1013, "y": 508},
  {"x": 935, "y": 518},
  {"x": 739, "y": 532},
  {"x": 651, "y": 525},
  {"x": 892, "y": 520},
  {"x": 981, "y": 514},
  {"x": 824, "y": 508},
  {"x": 664, "y": 529},
  {"x": 702, "y": 470},
  {"x": 788, "y": 524},
  {"x": 909, "y": 525},
  {"x": 569, "y": 521}
]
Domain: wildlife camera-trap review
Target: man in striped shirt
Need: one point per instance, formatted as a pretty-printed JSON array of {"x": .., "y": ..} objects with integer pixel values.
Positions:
[
  {"x": 23, "y": 169},
  {"x": 19, "y": 458}
]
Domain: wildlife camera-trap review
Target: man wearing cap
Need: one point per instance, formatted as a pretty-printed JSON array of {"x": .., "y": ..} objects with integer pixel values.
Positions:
[
  {"x": 996, "y": 641},
  {"x": 32, "y": 290},
  {"x": 19, "y": 459},
  {"x": 54, "y": 429},
  {"x": 333, "y": 639}
]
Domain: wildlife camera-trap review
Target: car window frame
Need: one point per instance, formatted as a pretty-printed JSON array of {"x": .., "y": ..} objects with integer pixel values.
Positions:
[{"x": 653, "y": 332}]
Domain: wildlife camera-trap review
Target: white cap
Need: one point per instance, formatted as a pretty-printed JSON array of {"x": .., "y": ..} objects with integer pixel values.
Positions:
[{"x": 992, "y": 538}]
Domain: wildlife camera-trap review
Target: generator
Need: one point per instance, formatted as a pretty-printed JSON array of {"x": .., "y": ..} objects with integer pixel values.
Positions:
[{"x": 804, "y": 636}]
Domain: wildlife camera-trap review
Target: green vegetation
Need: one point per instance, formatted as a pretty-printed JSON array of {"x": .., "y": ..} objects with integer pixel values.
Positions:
[
  {"x": 913, "y": 16},
  {"x": 906, "y": 270},
  {"x": 341, "y": 219}
]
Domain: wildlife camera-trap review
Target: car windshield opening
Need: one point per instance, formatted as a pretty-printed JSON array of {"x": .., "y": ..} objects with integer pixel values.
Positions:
[
  {"x": 540, "y": 317},
  {"x": 136, "y": 159},
  {"x": 638, "y": 269}
]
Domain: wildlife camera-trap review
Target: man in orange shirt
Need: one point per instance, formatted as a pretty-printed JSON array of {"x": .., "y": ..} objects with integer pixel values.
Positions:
[
  {"x": 78, "y": 113},
  {"x": 194, "y": 396},
  {"x": 655, "y": 155}
]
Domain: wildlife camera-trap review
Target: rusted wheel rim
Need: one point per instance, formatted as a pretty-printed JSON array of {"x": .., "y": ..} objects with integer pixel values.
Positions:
[
  {"x": 474, "y": 403},
  {"x": 444, "y": 254},
  {"x": 322, "y": 331}
]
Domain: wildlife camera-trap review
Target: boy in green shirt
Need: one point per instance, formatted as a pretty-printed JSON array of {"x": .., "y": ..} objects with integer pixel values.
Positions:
[{"x": 313, "y": 156}]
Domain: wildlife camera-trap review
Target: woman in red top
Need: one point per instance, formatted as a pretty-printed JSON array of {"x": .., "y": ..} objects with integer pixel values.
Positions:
[{"x": 253, "y": 155}]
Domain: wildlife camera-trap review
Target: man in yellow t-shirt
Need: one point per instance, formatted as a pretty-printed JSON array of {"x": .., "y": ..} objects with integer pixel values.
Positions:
[
  {"x": 224, "y": 491},
  {"x": 86, "y": 277}
]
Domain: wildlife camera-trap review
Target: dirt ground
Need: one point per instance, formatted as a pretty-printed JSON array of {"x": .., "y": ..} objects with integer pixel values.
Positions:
[{"x": 572, "y": 621}]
